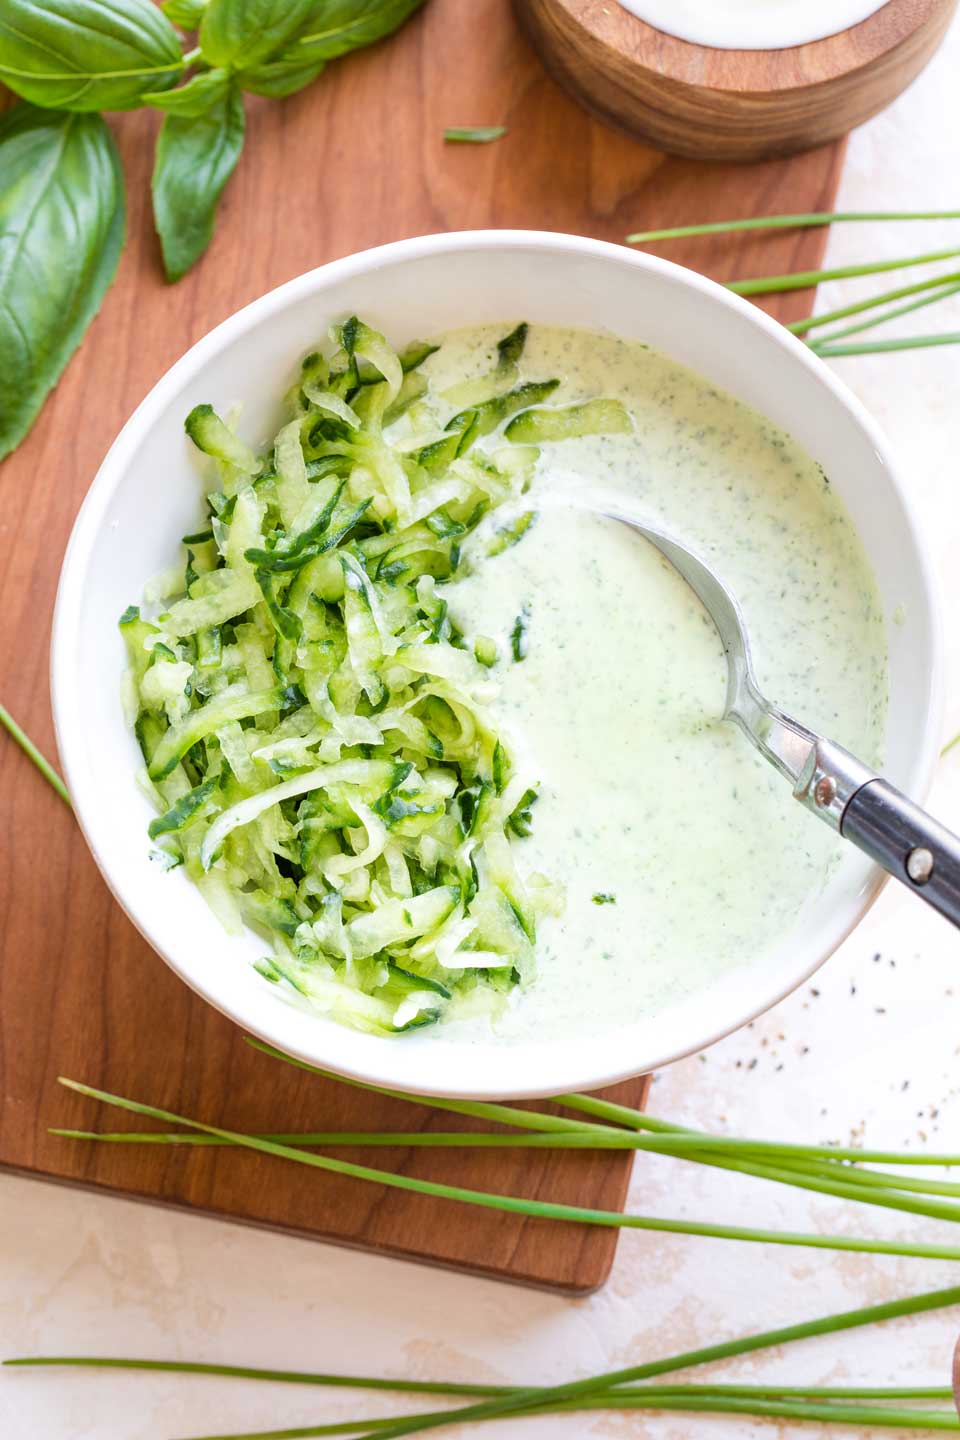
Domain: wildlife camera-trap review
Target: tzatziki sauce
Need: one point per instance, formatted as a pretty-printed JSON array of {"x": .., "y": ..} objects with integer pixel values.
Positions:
[{"x": 681, "y": 852}]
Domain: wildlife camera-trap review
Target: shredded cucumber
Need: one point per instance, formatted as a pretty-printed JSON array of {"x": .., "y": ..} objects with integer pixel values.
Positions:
[
  {"x": 316, "y": 730},
  {"x": 593, "y": 417}
]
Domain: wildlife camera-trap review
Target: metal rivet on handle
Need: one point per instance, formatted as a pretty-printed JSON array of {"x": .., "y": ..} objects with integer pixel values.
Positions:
[
  {"x": 920, "y": 865},
  {"x": 825, "y": 791}
]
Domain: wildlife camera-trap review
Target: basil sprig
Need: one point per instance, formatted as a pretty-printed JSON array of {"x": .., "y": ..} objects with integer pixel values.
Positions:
[{"x": 61, "y": 189}]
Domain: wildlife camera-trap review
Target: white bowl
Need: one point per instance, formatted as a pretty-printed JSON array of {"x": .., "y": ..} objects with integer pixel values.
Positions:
[{"x": 146, "y": 496}]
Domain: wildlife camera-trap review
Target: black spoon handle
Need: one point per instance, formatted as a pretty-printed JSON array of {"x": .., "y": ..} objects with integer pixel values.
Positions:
[
  {"x": 916, "y": 849},
  {"x": 883, "y": 822}
]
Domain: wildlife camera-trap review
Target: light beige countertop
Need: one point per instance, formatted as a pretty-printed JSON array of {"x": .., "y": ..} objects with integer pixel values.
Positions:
[{"x": 874, "y": 1054}]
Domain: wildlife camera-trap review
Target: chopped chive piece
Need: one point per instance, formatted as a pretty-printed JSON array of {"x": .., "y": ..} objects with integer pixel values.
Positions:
[
  {"x": 473, "y": 134},
  {"x": 603, "y": 897},
  {"x": 518, "y": 635}
]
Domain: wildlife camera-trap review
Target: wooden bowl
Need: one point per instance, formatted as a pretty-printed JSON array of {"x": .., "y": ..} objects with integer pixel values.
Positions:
[{"x": 731, "y": 104}]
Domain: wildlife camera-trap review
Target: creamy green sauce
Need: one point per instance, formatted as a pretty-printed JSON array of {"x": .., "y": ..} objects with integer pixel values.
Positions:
[{"x": 702, "y": 856}]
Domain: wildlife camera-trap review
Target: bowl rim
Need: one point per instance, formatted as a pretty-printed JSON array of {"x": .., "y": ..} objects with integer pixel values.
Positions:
[{"x": 66, "y": 700}]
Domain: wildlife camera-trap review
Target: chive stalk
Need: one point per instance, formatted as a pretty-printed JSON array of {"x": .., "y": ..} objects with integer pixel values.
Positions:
[
  {"x": 527, "y": 1400},
  {"x": 667, "y": 1138},
  {"x": 549, "y": 1210},
  {"x": 328, "y": 1380},
  {"x": 621, "y": 1389},
  {"x": 843, "y": 1182},
  {"x": 575, "y": 1139},
  {"x": 673, "y": 1138},
  {"x": 32, "y": 753},
  {"x": 841, "y": 1175},
  {"x": 795, "y": 1411},
  {"x": 806, "y": 279},
  {"x": 879, "y": 347},
  {"x": 941, "y": 293},
  {"x": 826, "y": 317},
  {"x": 786, "y": 222}
]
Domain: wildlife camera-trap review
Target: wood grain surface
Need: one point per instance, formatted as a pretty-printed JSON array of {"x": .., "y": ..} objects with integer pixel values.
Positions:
[
  {"x": 732, "y": 104},
  {"x": 356, "y": 160}
]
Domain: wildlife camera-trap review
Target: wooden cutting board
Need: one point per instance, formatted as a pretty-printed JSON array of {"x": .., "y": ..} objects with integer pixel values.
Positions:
[{"x": 355, "y": 161}]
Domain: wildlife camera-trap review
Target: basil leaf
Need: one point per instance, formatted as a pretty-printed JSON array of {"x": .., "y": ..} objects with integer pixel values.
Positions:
[
  {"x": 200, "y": 94},
  {"x": 185, "y": 13},
  {"x": 62, "y": 222},
  {"x": 86, "y": 55},
  {"x": 283, "y": 76},
  {"x": 241, "y": 33},
  {"x": 196, "y": 156},
  {"x": 344, "y": 25}
]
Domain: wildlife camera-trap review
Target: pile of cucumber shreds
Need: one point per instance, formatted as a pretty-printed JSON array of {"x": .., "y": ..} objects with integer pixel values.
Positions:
[{"x": 316, "y": 729}]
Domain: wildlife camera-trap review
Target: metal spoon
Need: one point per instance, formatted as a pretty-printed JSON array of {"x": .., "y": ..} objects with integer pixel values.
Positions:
[{"x": 826, "y": 779}]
